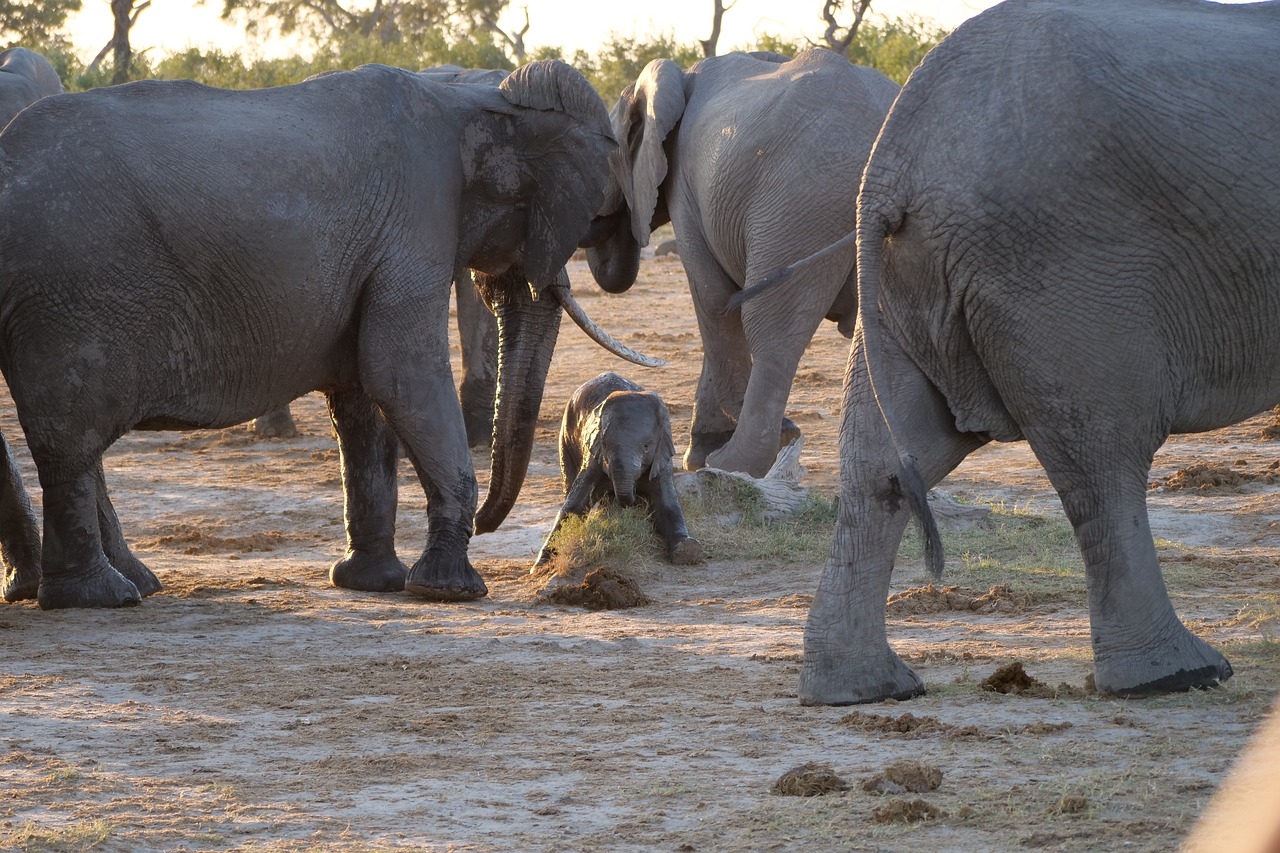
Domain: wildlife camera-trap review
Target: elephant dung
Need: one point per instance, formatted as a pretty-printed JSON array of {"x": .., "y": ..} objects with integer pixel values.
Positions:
[{"x": 602, "y": 588}]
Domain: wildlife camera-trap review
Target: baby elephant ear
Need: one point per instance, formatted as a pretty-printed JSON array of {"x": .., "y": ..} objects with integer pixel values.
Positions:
[
  {"x": 566, "y": 142},
  {"x": 644, "y": 115},
  {"x": 662, "y": 466}
]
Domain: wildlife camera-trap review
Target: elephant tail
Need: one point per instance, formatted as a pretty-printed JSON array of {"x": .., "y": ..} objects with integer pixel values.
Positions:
[
  {"x": 782, "y": 274},
  {"x": 874, "y": 225}
]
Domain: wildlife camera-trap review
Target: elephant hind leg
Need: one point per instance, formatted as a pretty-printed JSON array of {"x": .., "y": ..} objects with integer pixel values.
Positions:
[
  {"x": 1140, "y": 646},
  {"x": 276, "y": 423},
  {"x": 726, "y": 356},
  {"x": 847, "y": 658}
]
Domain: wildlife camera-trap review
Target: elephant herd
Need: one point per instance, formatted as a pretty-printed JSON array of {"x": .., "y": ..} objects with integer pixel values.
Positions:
[{"x": 1062, "y": 229}]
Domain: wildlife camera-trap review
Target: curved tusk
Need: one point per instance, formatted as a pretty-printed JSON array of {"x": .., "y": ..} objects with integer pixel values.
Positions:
[{"x": 571, "y": 307}]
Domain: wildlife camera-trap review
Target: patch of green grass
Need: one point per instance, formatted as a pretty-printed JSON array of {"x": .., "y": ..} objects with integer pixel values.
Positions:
[
  {"x": 620, "y": 536},
  {"x": 804, "y": 536},
  {"x": 31, "y": 837},
  {"x": 1030, "y": 552}
]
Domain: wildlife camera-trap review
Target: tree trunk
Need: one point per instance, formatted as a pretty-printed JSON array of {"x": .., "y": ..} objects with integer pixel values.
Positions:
[
  {"x": 122, "y": 54},
  {"x": 840, "y": 44},
  {"x": 717, "y": 16}
]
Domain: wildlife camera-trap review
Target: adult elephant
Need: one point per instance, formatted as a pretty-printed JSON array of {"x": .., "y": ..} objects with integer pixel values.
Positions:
[
  {"x": 233, "y": 250},
  {"x": 25, "y": 77},
  {"x": 1067, "y": 234},
  {"x": 755, "y": 161}
]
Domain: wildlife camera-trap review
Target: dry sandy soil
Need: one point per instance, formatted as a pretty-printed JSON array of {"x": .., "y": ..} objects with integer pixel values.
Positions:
[{"x": 252, "y": 706}]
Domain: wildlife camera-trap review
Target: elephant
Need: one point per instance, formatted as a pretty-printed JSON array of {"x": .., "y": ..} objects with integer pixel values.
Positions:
[
  {"x": 235, "y": 249},
  {"x": 615, "y": 441},
  {"x": 751, "y": 161},
  {"x": 1066, "y": 235},
  {"x": 25, "y": 77}
]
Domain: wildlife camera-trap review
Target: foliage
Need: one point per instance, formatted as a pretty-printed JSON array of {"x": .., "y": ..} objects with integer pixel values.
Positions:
[
  {"x": 35, "y": 23},
  {"x": 620, "y": 60},
  {"x": 386, "y": 21},
  {"x": 894, "y": 48},
  {"x": 231, "y": 70}
]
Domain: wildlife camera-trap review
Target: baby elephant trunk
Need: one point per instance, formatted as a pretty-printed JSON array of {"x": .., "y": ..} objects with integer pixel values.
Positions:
[{"x": 623, "y": 473}]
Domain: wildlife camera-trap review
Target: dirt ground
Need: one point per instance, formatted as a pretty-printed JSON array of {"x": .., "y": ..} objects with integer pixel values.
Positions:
[{"x": 252, "y": 706}]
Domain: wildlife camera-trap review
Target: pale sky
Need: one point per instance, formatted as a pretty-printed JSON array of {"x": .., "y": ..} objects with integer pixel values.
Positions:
[{"x": 172, "y": 25}]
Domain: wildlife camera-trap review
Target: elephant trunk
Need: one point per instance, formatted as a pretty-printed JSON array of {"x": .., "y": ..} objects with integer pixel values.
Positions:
[
  {"x": 527, "y": 332},
  {"x": 614, "y": 260},
  {"x": 624, "y": 485}
]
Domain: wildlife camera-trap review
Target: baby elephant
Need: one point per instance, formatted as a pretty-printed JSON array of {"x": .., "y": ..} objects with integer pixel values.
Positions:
[{"x": 615, "y": 438}]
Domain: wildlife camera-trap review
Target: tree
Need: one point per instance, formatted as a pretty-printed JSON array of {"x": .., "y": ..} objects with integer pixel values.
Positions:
[
  {"x": 717, "y": 16},
  {"x": 620, "y": 60},
  {"x": 896, "y": 47},
  {"x": 35, "y": 23},
  {"x": 388, "y": 21},
  {"x": 484, "y": 17},
  {"x": 840, "y": 43}
]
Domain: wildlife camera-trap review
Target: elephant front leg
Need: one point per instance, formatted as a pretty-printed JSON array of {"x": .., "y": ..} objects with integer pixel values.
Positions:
[
  {"x": 668, "y": 521},
  {"x": 114, "y": 546},
  {"x": 428, "y": 421},
  {"x": 1140, "y": 646},
  {"x": 19, "y": 532},
  {"x": 75, "y": 572},
  {"x": 478, "y": 341},
  {"x": 369, "y": 457},
  {"x": 589, "y": 483}
]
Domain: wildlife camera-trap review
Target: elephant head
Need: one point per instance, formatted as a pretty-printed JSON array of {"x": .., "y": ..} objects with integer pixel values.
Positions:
[
  {"x": 540, "y": 152},
  {"x": 635, "y": 205},
  {"x": 633, "y": 441},
  {"x": 25, "y": 77}
]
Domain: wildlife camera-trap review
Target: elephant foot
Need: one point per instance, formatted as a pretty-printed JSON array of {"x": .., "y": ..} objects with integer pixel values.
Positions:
[
  {"x": 1174, "y": 662},
  {"x": 848, "y": 679},
  {"x": 366, "y": 572},
  {"x": 21, "y": 584},
  {"x": 438, "y": 578},
  {"x": 702, "y": 445},
  {"x": 137, "y": 573},
  {"x": 277, "y": 423},
  {"x": 101, "y": 586},
  {"x": 545, "y": 556},
  {"x": 686, "y": 552}
]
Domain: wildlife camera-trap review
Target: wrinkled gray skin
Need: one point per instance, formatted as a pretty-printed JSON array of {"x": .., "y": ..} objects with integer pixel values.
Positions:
[
  {"x": 478, "y": 340},
  {"x": 203, "y": 291},
  {"x": 1069, "y": 225},
  {"x": 615, "y": 443},
  {"x": 477, "y": 327},
  {"x": 25, "y": 77},
  {"x": 755, "y": 161}
]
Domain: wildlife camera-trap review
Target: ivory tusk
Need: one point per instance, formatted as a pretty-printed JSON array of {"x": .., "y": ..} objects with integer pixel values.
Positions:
[{"x": 597, "y": 334}]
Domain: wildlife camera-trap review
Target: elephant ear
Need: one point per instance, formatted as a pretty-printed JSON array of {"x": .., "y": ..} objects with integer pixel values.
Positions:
[
  {"x": 566, "y": 143},
  {"x": 662, "y": 466},
  {"x": 644, "y": 115}
]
